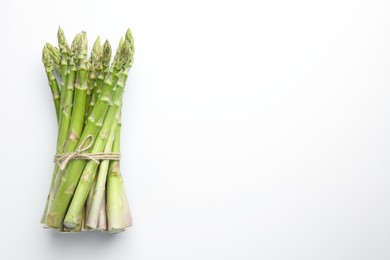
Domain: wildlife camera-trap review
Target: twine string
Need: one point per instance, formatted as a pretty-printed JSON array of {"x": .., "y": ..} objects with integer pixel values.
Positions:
[{"x": 80, "y": 154}]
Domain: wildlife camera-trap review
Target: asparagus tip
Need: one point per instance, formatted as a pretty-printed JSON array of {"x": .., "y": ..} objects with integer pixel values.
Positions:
[
  {"x": 46, "y": 55},
  {"x": 130, "y": 39},
  {"x": 83, "y": 41},
  {"x": 80, "y": 46},
  {"x": 96, "y": 49},
  {"x": 107, "y": 52},
  {"x": 62, "y": 43}
]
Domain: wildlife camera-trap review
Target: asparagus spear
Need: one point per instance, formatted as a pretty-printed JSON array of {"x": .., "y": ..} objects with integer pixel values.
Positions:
[
  {"x": 102, "y": 72},
  {"x": 106, "y": 59},
  {"x": 77, "y": 118},
  {"x": 94, "y": 68},
  {"x": 115, "y": 210},
  {"x": 121, "y": 65},
  {"x": 66, "y": 108},
  {"x": 64, "y": 71},
  {"x": 68, "y": 100},
  {"x": 79, "y": 49},
  {"x": 64, "y": 66},
  {"x": 116, "y": 165},
  {"x": 118, "y": 211},
  {"x": 47, "y": 60}
]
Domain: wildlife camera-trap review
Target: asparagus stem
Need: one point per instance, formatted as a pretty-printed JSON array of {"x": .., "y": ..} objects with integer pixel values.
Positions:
[
  {"x": 116, "y": 148},
  {"x": 93, "y": 216},
  {"x": 83, "y": 219},
  {"x": 102, "y": 222},
  {"x": 89, "y": 202},
  {"x": 43, "y": 218},
  {"x": 79, "y": 220},
  {"x": 115, "y": 210},
  {"x": 126, "y": 209}
]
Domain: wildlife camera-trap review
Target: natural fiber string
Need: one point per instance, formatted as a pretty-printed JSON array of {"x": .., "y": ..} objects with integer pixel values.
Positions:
[{"x": 80, "y": 154}]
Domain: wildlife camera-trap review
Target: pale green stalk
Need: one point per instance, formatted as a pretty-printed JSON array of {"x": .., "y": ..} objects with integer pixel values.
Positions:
[
  {"x": 126, "y": 209},
  {"x": 125, "y": 204},
  {"x": 83, "y": 219},
  {"x": 89, "y": 202},
  {"x": 102, "y": 222},
  {"x": 115, "y": 210},
  {"x": 115, "y": 213}
]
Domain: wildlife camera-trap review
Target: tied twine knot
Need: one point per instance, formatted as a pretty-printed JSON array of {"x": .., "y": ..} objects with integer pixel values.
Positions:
[{"x": 80, "y": 154}]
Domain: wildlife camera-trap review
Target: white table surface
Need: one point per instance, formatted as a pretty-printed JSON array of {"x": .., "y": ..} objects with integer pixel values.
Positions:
[{"x": 251, "y": 129}]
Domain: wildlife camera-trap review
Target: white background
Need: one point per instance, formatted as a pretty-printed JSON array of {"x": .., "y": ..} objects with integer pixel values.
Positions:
[{"x": 251, "y": 129}]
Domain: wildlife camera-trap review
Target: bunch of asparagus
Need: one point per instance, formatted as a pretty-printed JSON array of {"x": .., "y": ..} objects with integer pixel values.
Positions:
[{"x": 87, "y": 94}]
